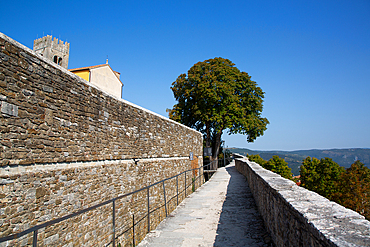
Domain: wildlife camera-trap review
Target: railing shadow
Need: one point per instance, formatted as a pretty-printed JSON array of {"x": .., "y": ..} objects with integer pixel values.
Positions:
[
  {"x": 240, "y": 223},
  {"x": 195, "y": 176}
]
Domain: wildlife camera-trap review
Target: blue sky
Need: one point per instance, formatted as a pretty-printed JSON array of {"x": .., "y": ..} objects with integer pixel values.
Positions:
[{"x": 311, "y": 58}]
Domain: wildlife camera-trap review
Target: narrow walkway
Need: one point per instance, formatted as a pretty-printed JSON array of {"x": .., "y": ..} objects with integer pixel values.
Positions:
[{"x": 220, "y": 213}]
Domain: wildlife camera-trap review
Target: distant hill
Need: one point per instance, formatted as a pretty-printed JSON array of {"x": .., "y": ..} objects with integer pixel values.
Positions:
[{"x": 343, "y": 157}]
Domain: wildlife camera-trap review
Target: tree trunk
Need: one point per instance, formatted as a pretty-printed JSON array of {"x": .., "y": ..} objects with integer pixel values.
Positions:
[
  {"x": 208, "y": 136},
  {"x": 217, "y": 149},
  {"x": 208, "y": 143}
]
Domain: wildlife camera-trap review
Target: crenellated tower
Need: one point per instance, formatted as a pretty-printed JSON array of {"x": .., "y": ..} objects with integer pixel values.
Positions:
[{"x": 53, "y": 49}]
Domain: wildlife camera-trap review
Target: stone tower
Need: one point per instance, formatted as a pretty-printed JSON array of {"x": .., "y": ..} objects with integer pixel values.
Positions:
[{"x": 53, "y": 49}]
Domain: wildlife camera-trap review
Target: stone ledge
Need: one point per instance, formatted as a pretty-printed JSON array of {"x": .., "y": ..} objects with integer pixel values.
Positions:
[{"x": 19, "y": 169}]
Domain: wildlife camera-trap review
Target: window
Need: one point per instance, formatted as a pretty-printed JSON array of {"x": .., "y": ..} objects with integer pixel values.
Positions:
[{"x": 57, "y": 60}]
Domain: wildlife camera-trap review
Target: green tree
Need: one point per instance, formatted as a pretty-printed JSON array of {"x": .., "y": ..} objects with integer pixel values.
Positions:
[
  {"x": 256, "y": 158},
  {"x": 308, "y": 173},
  {"x": 279, "y": 166},
  {"x": 321, "y": 177},
  {"x": 354, "y": 189},
  {"x": 275, "y": 164},
  {"x": 215, "y": 96}
]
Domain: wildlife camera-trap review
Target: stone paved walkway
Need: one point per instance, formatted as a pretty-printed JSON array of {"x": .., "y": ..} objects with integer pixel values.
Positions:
[{"x": 220, "y": 213}]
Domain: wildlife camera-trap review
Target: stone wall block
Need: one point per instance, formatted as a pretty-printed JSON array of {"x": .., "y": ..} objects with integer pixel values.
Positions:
[
  {"x": 22, "y": 63},
  {"x": 11, "y": 49},
  {"x": 9, "y": 110}
]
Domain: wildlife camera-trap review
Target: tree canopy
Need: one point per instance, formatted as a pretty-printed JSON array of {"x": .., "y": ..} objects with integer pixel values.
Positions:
[
  {"x": 354, "y": 189},
  {"x": 275, "y": 164},
  {"x": 215, "y": 96},
  {"x": 348, "y": 187},
  {"x": 321, "y": 176},
  {"x": 308, "y": 173},
  {"x": 257, "y": 158},
  {"x": 280, "y": 166}
]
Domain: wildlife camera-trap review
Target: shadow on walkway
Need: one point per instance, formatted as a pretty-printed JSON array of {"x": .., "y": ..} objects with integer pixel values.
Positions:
[{"x": 240, "y": 223}]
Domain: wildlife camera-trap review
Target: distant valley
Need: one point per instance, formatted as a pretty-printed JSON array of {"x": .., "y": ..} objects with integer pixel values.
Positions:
[{"x": 343, "y": 157}]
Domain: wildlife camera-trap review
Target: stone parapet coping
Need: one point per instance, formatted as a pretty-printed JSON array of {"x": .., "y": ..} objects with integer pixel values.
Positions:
[{"x": 21, "y": 169}]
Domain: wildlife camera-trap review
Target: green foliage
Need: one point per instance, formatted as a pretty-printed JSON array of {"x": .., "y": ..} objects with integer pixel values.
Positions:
[
  {"x": 350, "y": 187},
  {"x": 214, "y": 96},
  {"x": 321, "y": 177},
  {"x": 308, "y": 173},
  {"x": 343, "y": 157},
  {"x": 275, "y": 164},
  {"x": 256, "y": 158},
  {"x": 354, "y": 189},
  {"x": 279, "y": 166}
]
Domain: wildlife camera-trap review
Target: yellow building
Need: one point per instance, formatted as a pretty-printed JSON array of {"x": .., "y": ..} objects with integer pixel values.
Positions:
[{"x": 102, "y": 76}]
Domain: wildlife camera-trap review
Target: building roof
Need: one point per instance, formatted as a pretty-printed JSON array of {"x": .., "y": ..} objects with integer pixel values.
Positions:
[
  {"x": 88, "y": 67},
  {"x": 97, "y": 66}
]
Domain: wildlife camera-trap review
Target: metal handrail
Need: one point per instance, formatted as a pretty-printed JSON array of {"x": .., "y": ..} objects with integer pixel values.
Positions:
[{"x": 35, "y": 229}]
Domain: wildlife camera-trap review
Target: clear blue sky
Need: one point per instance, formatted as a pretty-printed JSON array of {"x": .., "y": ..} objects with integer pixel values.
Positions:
[{"x": 311, "y": 58}]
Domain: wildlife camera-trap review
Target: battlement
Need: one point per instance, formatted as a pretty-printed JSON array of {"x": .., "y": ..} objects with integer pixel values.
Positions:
[
  {"x": 48, "y": 41},
  {"x": 53, "y": 49}
]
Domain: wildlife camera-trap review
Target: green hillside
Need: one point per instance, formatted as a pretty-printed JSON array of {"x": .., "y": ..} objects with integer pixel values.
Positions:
[{"x": 344, "y": 157}]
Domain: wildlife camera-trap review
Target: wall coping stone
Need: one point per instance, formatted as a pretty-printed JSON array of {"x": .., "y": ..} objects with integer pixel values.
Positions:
[
  {"x": 22, "y": 169},
  {"x": 339, "y": 225},
  {"x": 56, "y": 66}
]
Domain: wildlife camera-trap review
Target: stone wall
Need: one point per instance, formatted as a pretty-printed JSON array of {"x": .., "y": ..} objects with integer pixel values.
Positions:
[
  {"x": 65, "y": 145},
  {"x": 295, "y": 216}
]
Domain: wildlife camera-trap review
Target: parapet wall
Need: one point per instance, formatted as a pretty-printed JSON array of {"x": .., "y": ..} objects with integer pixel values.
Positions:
[
  {"x": 50, "y": 115},
  {"x": 66, "y": 145},
  {"x": 295, "y": 216}
]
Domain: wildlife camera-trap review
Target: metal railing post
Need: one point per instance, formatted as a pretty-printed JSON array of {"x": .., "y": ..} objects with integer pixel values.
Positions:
[
  {"x": 193, "y": 182},
  {"x": 199, "y": 182},
  {"x": 177, "y": 190},
  {"x": 204, "y": 179},
  {"x": 34, "y": 242},
  {"x": 185, "y": 184},
  {"x": 114, "y": 223},
  {"x": 148, "y": 211},
  {"x": 133, "y": 229},
  {"x": 164, "y": 196}
]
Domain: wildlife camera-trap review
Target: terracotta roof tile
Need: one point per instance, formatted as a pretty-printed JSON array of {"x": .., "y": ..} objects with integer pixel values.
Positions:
[{"x": 88, "y": 67}]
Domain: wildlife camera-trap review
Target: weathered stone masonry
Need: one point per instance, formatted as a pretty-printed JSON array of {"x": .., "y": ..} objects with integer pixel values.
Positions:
[
  {"x": 65, "y": 145},
  {"x": 295, "y": 216}
]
